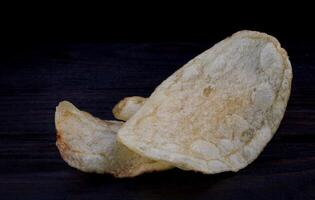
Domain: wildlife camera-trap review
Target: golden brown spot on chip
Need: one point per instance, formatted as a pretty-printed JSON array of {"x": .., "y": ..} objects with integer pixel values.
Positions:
[
  {"x": 206, "y": 91},
  {"x": 247, "y": 135}
]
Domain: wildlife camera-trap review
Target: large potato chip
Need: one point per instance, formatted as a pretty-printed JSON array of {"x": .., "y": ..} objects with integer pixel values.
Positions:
[
  {"x": 218, "y": 111},
  {"x": 127, "y": 107},
  {"x": 89, "y": 144}
]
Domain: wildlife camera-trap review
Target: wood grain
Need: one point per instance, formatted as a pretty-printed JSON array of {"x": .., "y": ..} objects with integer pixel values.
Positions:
[{"x": 94, "y": 76}]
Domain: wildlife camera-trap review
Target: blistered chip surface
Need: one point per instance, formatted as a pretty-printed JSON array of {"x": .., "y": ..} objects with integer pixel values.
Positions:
[{"x": 218, "y": 111}]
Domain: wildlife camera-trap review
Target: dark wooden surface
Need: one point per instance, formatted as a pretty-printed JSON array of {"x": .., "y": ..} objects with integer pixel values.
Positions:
[{"x": 94, "y": 76}]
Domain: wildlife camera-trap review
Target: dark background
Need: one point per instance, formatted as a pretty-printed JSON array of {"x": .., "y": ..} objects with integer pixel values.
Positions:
[{"x": 95, "y": 56}]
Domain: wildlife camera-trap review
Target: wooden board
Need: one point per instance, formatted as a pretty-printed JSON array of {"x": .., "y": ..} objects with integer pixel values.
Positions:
[{"x": 94, "y": 76}]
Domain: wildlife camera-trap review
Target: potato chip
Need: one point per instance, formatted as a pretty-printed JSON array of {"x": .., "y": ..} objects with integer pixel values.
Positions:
[
  {"x": 89, "y": 144},
  {"x": 217, "y": 112},
  {"x": 127, "y": 107}
]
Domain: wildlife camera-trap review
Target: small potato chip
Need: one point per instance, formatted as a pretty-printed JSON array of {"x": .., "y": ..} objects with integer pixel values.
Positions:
[
  {"x": 127, "y": 107},
  {"x": 217, "y": 112},
  {"x": 89, "y": 144}
]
